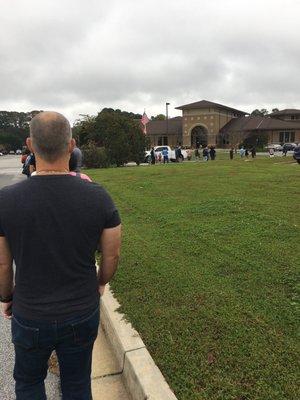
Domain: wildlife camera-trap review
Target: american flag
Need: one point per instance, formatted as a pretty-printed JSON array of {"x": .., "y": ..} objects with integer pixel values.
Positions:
[{"x": 145, "y": 121}]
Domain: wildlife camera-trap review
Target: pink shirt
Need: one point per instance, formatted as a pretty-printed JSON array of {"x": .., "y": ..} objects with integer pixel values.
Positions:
[{"x": 82, "y": 176}]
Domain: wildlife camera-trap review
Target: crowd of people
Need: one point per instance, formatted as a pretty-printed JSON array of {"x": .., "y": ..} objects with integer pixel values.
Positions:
[
  {"x": 208, "y": 153},
  {"x": 75, "y": 163},
  {"x": 244, "y": 152}
]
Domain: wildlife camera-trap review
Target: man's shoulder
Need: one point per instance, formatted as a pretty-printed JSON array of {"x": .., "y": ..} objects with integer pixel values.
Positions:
[
  {"x": 10, "y": 190},
  {"x": 92, "y": 187}
]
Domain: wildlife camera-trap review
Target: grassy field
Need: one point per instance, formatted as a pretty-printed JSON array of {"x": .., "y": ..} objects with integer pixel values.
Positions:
[{"x": 208, "y": 274}]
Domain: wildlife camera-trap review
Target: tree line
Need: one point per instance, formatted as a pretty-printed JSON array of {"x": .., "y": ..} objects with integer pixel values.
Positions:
[
  {"x": 112, "y": 137},
  {"x": 14, "y": 129}
]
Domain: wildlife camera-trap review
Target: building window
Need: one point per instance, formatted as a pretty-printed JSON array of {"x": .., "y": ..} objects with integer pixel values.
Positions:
[
  {"x": 162, "y": 141},
  {"x": 286, "y": 137}
]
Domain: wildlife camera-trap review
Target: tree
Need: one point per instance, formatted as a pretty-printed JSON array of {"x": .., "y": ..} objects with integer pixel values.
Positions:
[
  {"x": 158, "y": 117},
  {"x": 256, "y": 139},
  {"x": 138, "y": 142},
  {"x": 275, "y": 110},
  {"x": 259, "y": 113},
  {"x": 119, "y": 132},
  {"x": 14, "y": 128},
  {"x": 83, "y": 130},
  {"x": 10, "y": 141}
]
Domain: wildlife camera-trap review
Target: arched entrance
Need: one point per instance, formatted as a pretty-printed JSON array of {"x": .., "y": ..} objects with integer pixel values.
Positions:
[{"x": 199, "y": 136}]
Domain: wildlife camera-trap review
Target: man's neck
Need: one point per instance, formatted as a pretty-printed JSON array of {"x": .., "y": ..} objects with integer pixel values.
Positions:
[{"x": 60, "y": 166}]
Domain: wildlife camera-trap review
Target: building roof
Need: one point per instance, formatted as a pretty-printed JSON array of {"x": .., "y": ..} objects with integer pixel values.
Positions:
[
  {"x": 208, "y": 104},
  {"x": 287, "y": 111},
  {"x": 258, "y": 123},
  {"x": 160, "y": 127}
]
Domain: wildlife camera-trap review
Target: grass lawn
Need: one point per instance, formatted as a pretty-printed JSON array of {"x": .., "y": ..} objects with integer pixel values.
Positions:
[{"x": 208, "y": 274}]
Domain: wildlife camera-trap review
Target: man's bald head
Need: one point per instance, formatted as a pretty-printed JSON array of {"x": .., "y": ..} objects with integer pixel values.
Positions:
[{"x": 50, "y": 133}]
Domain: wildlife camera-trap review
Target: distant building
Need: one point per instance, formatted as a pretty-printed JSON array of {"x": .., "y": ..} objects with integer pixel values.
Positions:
[
  {"x": 162, "y": 134},
  {"x": 208, "y": 123}
]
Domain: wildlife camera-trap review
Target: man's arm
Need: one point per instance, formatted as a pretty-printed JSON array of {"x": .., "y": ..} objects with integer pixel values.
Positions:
[
  {"x": 110, "y": 244},
  {"x": 31, "y": 168},
  {"x": 6, "y": 275}
]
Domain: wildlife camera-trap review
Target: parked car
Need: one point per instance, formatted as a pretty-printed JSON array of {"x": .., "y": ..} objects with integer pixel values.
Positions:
[
  {"x": 296, "y": 154},
  {"x": 172, "y": 156},
  {"x": 11, "y": 152},
  {"x": 276, "y": 147},
  {"x": 1, "y": 154},
  {"x": 18, "y": 152},
  {"x": 289, "y": 146}
]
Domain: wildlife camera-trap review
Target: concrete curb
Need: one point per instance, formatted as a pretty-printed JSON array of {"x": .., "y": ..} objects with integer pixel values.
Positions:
[{"x": 141, "y": 376}]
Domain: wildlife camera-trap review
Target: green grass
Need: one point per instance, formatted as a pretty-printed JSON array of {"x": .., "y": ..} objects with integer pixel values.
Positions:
[{"x": 208, "y": 274}]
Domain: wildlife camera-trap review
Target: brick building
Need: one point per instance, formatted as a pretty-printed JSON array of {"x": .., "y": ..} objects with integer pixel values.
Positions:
[{"x": 213, "y": 124}]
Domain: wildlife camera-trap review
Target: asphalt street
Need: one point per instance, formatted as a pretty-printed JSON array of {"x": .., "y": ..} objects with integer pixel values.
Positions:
[{"x": 10, "y": 172}]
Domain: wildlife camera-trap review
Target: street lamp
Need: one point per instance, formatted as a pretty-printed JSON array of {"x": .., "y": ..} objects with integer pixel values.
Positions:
[{"x": 167, "y": 117}]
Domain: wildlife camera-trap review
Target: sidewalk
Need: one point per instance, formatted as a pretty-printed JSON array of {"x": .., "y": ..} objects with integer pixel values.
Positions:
[{"x": 106, "y": 376}]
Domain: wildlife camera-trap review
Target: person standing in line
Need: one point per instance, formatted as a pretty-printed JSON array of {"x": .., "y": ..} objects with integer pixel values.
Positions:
[
  {"x": 212, "y": 153},
  {"x": 54, "y": 302},
  {"x": 253, "y": 152},
  {"x": 32, "y": 164},
  {"x": 176, "y": 153},
  {"x": 165, "y": 155},
  {"x": 152, "y": 155},
  {"x": 242, "y": 152},
  {"x": 28, "y": 166},
  {"x": 246, "y": 153},
  {"x": 231, "y": 153},
  {"x": 179, "y": 154},
  {"x": 284, "y": 151},
  {"x": 25, "y": 154},
  {"x": 75, "y": 163},
  {"x": 205, "y": 153},
  {"x": 271, "y": 152}
]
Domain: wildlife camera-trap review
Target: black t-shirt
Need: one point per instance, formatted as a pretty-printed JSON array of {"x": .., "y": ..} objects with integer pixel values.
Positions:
[{"x": 53, "y": 224}]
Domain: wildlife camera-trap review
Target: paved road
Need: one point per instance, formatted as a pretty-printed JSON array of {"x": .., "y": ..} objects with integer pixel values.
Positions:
[{"x": 10, "y": 172}]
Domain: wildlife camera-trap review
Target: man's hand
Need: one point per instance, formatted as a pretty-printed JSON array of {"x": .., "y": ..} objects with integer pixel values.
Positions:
[
  {"x": 110, "y": 243},
  {"x": 6, "y": 310},
  {"x": 6, "y": 275},
  {"x": 101, "y": 289}
]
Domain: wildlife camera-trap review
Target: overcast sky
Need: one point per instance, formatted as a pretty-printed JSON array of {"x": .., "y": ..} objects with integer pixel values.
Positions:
[{"x": 77, "y": 56}]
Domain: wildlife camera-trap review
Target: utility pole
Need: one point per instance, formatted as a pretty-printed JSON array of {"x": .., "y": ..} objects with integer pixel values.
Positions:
[{"x": 167, "y": 119}]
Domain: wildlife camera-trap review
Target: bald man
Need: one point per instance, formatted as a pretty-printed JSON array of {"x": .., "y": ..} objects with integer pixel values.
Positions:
[{"x": 51, "y": 225}]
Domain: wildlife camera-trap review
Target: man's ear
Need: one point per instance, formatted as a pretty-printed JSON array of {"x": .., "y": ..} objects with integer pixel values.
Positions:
[
  {"x": 29, "y": 144},
  {"x": 72, "y": 145}
]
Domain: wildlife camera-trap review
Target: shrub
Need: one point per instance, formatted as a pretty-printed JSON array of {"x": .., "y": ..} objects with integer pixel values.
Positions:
[{"x": 95, "y": 157}]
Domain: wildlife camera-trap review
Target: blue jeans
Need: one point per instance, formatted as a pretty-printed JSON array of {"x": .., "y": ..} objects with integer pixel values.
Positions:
[{"x": 73, "y": 341}]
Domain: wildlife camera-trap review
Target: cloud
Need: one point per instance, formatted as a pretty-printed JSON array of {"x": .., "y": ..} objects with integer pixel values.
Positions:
[{"x": 79, "y": 56}]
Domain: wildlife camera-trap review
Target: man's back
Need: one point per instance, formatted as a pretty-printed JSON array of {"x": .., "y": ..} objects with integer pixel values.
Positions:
[
  {"x": 75, "y": 162},
  {"x": 53, "y": 224}
]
